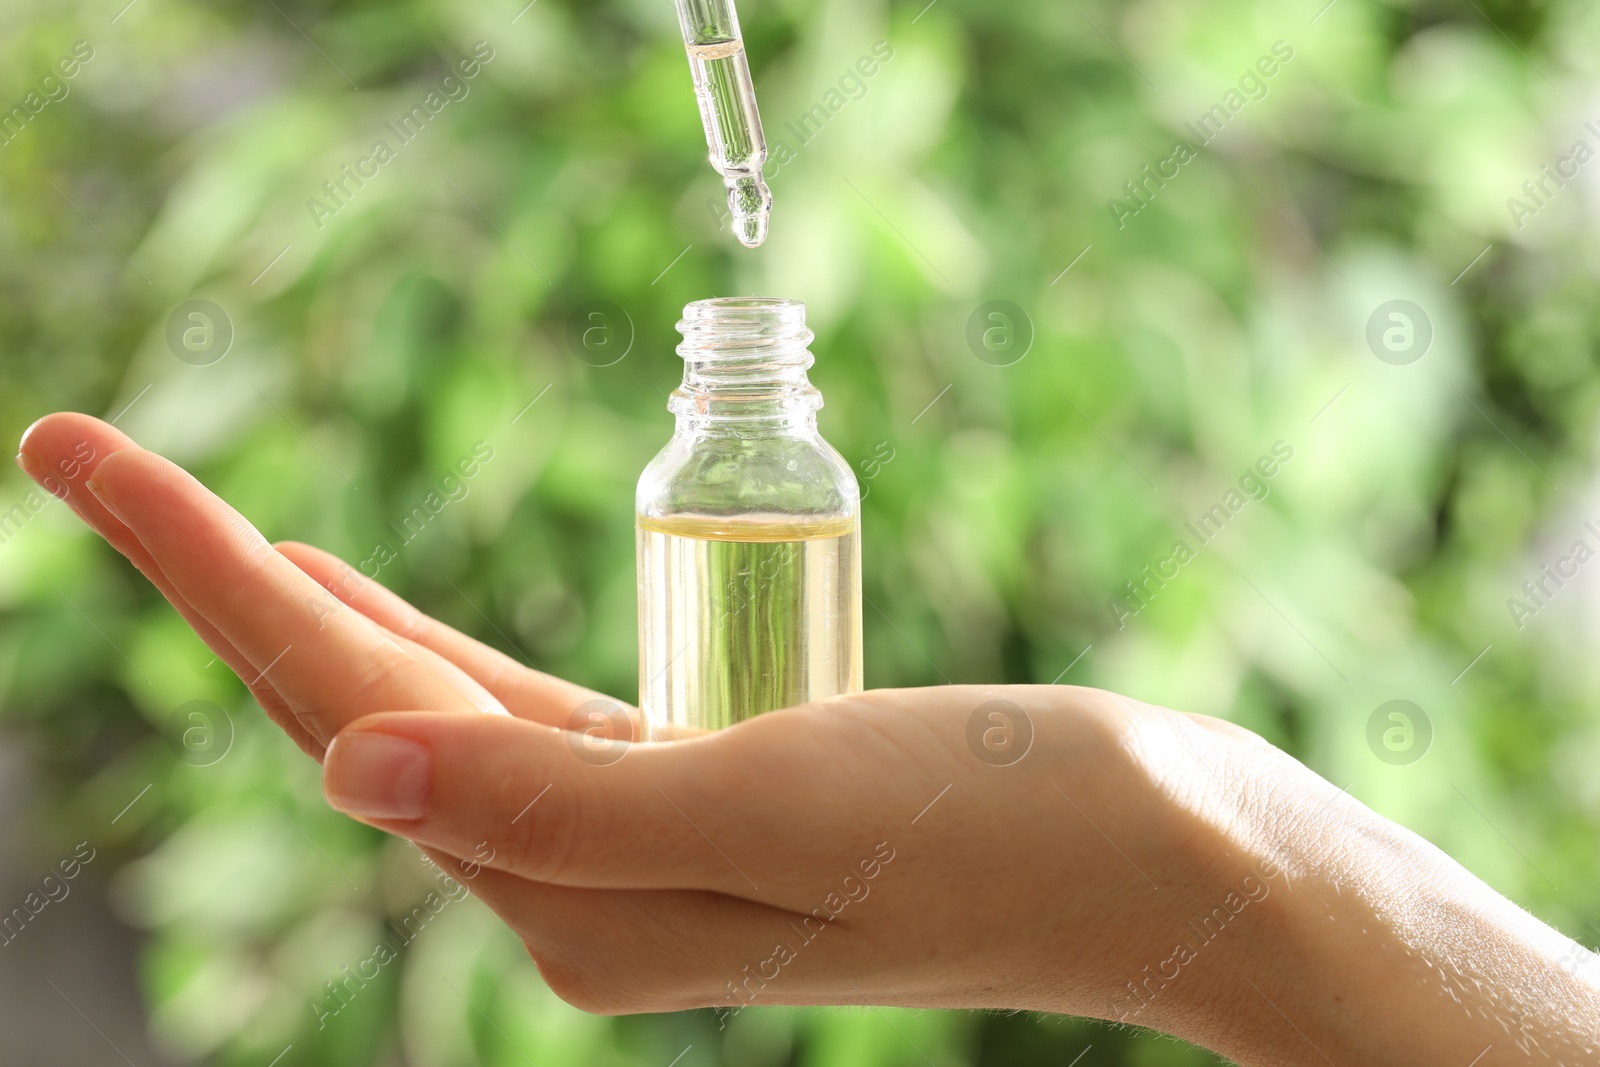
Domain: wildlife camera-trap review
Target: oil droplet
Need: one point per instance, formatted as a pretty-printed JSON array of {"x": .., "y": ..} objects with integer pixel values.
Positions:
[{"x": 750, "y": 202}]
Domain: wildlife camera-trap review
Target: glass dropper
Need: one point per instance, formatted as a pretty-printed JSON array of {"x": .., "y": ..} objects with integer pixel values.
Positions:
[{"x": 727, "y": 99}]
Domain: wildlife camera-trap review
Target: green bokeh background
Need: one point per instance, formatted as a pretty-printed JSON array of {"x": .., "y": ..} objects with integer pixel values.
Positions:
[{"x": 372, "y": 352}]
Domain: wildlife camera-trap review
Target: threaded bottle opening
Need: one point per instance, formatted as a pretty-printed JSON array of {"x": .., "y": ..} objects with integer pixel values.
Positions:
[
  {"x": 744, "y": 327},
  {"x": 745, "y": 358}
]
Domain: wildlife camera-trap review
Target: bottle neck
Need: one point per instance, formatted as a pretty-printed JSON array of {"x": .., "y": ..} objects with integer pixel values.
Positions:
[{"x": 744, "y": 373}]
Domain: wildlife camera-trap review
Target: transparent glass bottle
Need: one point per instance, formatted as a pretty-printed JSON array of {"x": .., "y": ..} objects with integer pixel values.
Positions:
[{"x": 748, "y": 531}]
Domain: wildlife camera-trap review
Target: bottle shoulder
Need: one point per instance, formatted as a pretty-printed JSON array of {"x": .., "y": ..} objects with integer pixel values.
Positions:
[{"x": 798, "y": 474}]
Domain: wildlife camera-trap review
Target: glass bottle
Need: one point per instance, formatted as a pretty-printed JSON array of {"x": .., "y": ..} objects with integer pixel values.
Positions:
[{"x": 748, "y": 531}]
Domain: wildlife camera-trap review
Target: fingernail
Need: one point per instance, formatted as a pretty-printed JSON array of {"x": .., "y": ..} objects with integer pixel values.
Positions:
[
  {"x": 375, "y": 775},
  {"x": 99, "y": 493},
  {"x": 32, "y": 467},
  {"x": 41, "y": 474}
]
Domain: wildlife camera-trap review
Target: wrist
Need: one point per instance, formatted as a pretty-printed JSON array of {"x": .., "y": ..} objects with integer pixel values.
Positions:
[
  {"x": 1183, "y": 816},
  {"x": 1363, "y": 942},
  {"x": 1271, "y": 940}
]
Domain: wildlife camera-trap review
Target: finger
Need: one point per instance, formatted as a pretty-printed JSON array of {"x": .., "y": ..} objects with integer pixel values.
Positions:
[
  {"x": 548, "y": 805},
  {"x": 61, "y": 452},
  {"x": 460, "y": 680},
  {"x": 330, "y": 665},
  {"x": 528, "y": 693}
]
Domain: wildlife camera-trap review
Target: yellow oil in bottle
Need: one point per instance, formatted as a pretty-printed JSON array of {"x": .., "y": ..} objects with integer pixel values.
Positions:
[{"x": 746, "y": 615}]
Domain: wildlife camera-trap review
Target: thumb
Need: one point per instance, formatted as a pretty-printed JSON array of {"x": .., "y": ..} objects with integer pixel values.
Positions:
[{"x": 581, "y": 807}]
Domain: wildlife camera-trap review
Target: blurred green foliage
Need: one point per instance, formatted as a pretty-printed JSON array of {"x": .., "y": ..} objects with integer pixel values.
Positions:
[{"x": 375, "y": 350}]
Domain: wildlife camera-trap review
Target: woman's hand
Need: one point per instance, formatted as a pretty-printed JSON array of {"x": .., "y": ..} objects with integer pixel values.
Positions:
[
  {"x": 1041, "y": 847},
  {"x": 864, "y": 833}
]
